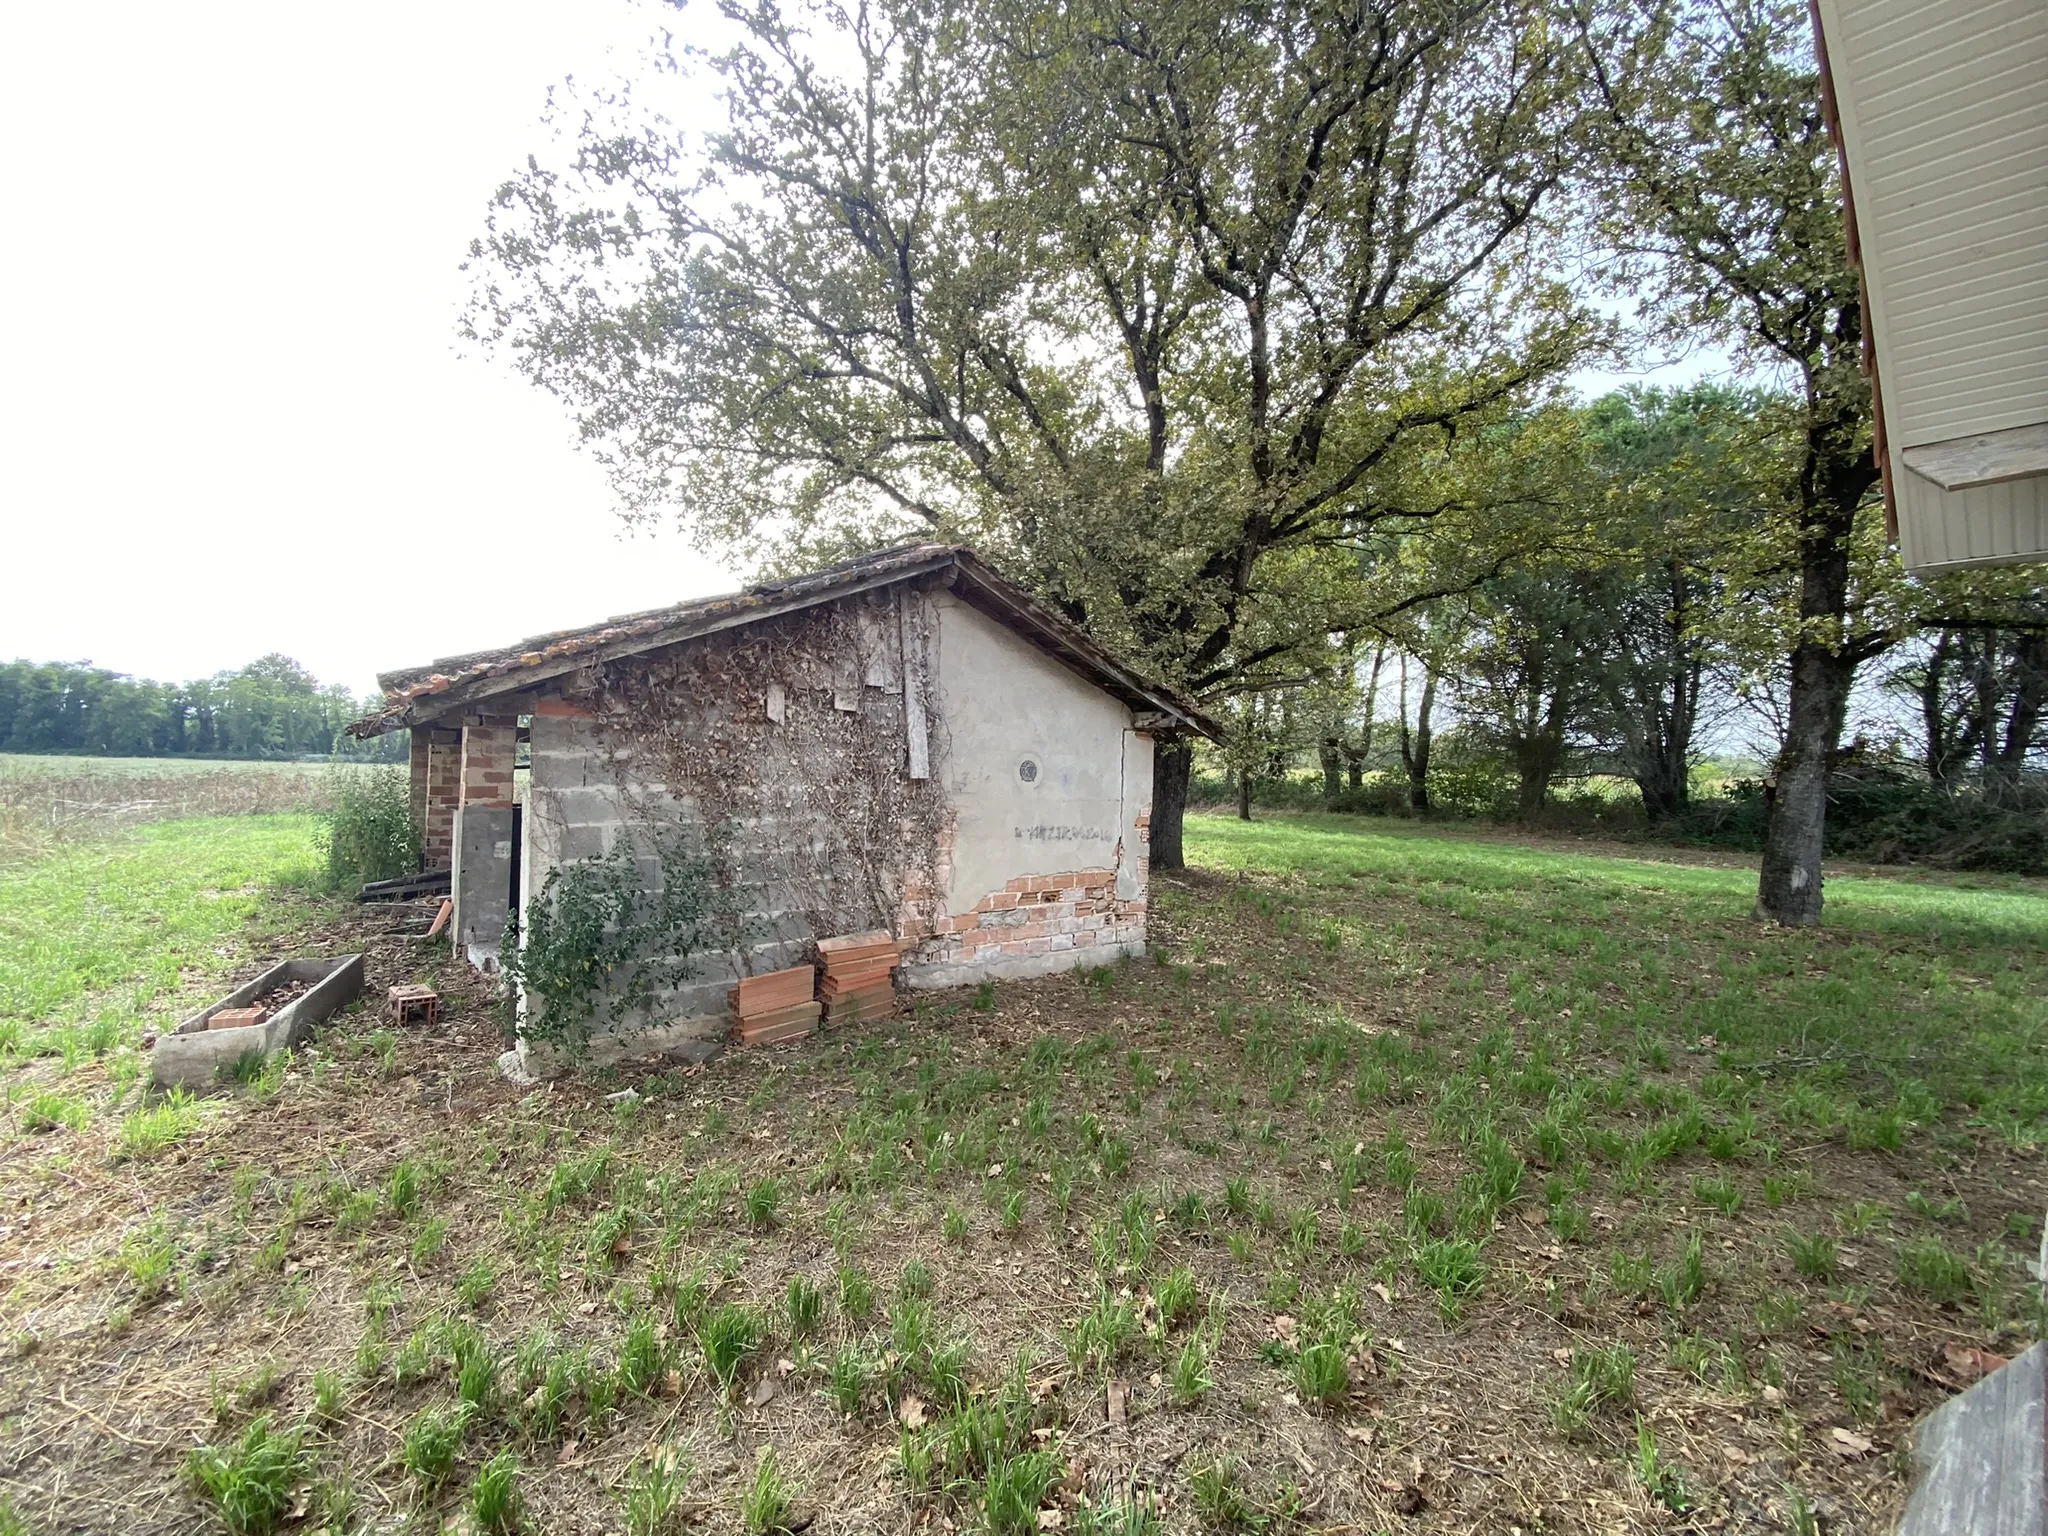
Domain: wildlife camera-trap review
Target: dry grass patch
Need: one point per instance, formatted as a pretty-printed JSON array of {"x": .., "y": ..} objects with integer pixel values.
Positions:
[{"x": 1411, "y": 1188}]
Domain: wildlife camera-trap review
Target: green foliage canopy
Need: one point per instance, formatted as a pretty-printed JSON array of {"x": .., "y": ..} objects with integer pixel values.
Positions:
[{"x": 1174, "y": 309}]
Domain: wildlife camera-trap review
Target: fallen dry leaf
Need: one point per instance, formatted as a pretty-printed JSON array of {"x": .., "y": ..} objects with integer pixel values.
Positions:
[
  {"x": 763, "y": 1392},
  {"x": 1383, "y": 1293},
  {"x": 911, "y": 1411},
  {"x": 1967, "y": 1363},
  {"x": 1362, "y": 1433},
  {"x": 1119, "y": 1396},
  {"x": 1847, "y": 1444},
  {"x": 1051, "y": 1519},
  {"x": 1283, "y": 1328}
]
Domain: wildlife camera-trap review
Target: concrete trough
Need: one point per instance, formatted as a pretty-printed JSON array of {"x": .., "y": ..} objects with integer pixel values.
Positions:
[{"x": 193, "y": 1055}]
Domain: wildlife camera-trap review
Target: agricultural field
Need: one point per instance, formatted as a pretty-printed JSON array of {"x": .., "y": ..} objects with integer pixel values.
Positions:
[
  {"x": 48, "y": 802},
  {"x": 1415, "y": 1184}
]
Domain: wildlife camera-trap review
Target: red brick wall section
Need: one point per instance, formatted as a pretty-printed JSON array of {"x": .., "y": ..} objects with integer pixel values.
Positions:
[
  {"x": 416, "y": 766},
  {"x": 489, "y": 744},
  {"x": 1033, "y": 915},
  {"x": 444, "y": 795}
]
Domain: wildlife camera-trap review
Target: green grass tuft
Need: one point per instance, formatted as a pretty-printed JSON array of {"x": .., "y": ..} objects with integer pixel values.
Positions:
[{"x": 251, "y": 1481}]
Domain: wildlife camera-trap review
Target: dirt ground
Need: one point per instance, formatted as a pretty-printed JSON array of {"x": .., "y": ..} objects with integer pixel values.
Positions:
[{"x": 1027, "y": 1169}]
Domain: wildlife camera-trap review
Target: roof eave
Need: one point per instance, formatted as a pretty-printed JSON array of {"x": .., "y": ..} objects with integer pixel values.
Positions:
[{"x": 429, "y": 694}]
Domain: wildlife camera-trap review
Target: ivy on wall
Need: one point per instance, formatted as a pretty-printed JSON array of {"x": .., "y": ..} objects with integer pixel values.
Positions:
[
  {"x": 599, "y": 940},
  {"x": 783, "y": 744}
]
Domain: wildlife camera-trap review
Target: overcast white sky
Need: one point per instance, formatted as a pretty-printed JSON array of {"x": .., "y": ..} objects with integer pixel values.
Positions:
[
  {"x": 232, "y": 415},
  {"x": 233, "y": 418}
]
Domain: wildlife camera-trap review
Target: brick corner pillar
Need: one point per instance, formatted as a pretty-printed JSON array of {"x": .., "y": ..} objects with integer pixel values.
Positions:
[
  {"x": 483, "y": 837},
  {"x": 418, "y": 756},
  {"x": 443, "y": 794}
]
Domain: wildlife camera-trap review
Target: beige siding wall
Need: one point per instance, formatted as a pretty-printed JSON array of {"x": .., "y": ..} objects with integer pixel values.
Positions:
[
  {"x": 1944, "y": 107},
  {"x": 1993, "y": 523}
]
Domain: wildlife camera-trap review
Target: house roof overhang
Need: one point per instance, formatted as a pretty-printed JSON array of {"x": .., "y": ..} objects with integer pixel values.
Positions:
[
  {"x": 453, "y": 685},
  {"x": 1939, "y": 110}
]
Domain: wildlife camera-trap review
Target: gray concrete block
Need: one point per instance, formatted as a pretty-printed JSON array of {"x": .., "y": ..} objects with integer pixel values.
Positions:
[
  {"x": 482, "y": 881},
  {"x": 193, "y": 1056},
  {"x": 1981, "y": 1459},
  {"x": 1000, "y": 967},
  {"x": 597, "y": 806}
]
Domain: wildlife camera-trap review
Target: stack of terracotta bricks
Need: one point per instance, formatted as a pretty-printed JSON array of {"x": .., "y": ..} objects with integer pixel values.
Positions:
[
  {"x": 777, "y": 1006},
  {"x": 857, "y": 981}
]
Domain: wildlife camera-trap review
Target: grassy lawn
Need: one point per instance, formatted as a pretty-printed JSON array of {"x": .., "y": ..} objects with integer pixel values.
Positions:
[
  {"x": 1418, "y": 1183},
  {"x": 93, "y": 933},
  {"x": 47, "y": 803}
]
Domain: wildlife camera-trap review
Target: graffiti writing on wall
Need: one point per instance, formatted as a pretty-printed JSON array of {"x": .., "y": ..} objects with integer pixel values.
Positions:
[{"x": 1048, "y": 833}]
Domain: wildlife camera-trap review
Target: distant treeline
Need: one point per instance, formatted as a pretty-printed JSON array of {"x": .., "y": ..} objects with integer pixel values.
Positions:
[{"x": 273, "y": 707}]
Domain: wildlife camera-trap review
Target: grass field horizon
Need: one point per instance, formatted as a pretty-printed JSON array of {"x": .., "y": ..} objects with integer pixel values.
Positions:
[
  {"x": 73, "y": 763},
  {"x": 1417, "y": 1182}
]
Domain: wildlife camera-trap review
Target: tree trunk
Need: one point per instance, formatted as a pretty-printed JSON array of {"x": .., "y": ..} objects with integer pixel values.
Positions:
[
  {"x": 1933, "y": 714},
  {"x": 1661, "y": 781},
  {"x": 1330, "y": 751},
  {"x": 1833, "y": 480},
  {"x": 1663, "y": 772},
  {"x": 1415, "y": 749},
  {"x": 2006, "y": 768},
  {"x": 1355, "y": 757},
  {"x": 1172, "y": 763},
  {"x": 1788, "y": 886},
  {"x": 1534, "y": 768},
  {"x": 1244, "y": 795}
]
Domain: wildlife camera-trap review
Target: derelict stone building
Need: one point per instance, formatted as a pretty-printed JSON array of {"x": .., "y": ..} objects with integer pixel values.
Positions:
[{"x": 906, "y": 741}]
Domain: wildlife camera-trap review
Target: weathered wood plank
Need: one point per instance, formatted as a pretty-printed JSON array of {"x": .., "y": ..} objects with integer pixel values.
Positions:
[
  {"x": 1989, "y": 459},
  {"x": 1983, "y": 1460}
]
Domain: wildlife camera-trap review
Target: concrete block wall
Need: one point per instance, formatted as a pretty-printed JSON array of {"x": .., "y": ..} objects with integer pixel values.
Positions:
[
  {"x": 1037, "y": 870},
  {"x": 482, "y": 864},
  {"x": 576, "y": 809}
]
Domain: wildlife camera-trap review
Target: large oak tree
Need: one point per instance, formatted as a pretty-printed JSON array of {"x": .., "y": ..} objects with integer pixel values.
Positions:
[
  {"x": 1727, "y": 208},
  {"x": 1177, "y": 308}
]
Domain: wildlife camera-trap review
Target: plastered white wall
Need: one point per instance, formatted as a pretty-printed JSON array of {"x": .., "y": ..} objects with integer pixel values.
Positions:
[{"x": 1003, "y": 703}]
